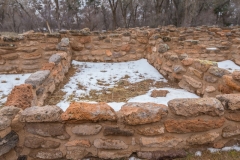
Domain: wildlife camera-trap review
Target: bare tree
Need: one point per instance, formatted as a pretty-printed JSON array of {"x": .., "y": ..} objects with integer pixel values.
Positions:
[{"x": 113, "y": 5}]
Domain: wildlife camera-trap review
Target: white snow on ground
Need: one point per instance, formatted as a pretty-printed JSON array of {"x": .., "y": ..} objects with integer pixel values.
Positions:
[
  {"x": 173, "y": 94},
  {"x": 198, "y": 154},
  {"x": 225, "y": 149},
  {"x": 90, "y": 74},
  {"x": 229, "y": 65},
  {"x": 7, "y": 82}
]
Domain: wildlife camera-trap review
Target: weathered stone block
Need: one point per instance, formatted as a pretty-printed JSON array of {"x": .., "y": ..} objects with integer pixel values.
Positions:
[
  {"x": 5, "y": 122},
  {"x": 86, "y": 129},
  {"x": 151, "y": 131},
  {"x": 191, "y": 107},
  {"x": 109, "y": 144},
  {"x": 35, "y": 142},
  {"x": 41, "y": 114},
  {"x": 230, "y": 101},
  {"x": 79, "y": 143},
  {"x": 47, "y": 130},
  {"x": 203, "y": 65},
  {"x": 162, "y": 48},
  {"x": 9, "y": 111},
  {"x": 75, "y": 153},
  {"x": 55, "y": 59},
  {"x": 159, "y": 93},
  {"x": 8, "y": 142},
  {"x": 210, "y": 89},
  {"x": 37, "y": 78},
  {"x": 234, "y": 85},
  {"x": 46, "y": 154},
  {"x": 233, "y": 116},
  {"x": 89, "y": 112},
  {"x": 230, "y": 131},
  {"x": 161, "y": 142},
  {"x": 5, "y": 132},
  {"x": 142, "y": 113},
  {"x": 116, "y": 131},
  {"x": 21, "y": 96},
  {"x": 204, "y": 138},
  {"x": 178, "y": 69},
  {"x": 193, "y": 82},
  {"x": 10, "y": 56},
  {"x": 219, "y": 72},
  {"x": 193, "y": 125},
  {"x": 236, "y": 75},
  {"x": 187, "y": 61}
]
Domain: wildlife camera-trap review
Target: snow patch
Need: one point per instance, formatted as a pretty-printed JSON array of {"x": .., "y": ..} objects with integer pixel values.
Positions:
[
  {"x": 225, "y": 149},
  {"x": 228, "y": 65},
  {"x": 173, "y": 94},
  {"x": 198, "y": 154},
  {"x": 211, "y": 49}
]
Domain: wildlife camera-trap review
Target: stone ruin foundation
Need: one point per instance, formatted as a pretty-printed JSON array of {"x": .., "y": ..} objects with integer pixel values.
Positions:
[{"x": 29, "y": 130}]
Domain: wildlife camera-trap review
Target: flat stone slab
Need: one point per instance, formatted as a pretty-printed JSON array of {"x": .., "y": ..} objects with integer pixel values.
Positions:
[
  {"x": 161, "y": 142},
  {"x": 193, "y": 125},
  {"x": 109, "y": 144},
  {"x": 37, "y": 78},
  {"x": 41, "y": 114},
  {"x": 117, "y": 131},
  {"x": 48, "y": 130},
  {"x": 230, "y": 101},
  {"x": 191, "y": 107},
  {"x": 151, "y": 130},
  {"x": 86, "y": 129},
  {"x": 46, "y": 154},
  {"x": 142, "y": 113}
]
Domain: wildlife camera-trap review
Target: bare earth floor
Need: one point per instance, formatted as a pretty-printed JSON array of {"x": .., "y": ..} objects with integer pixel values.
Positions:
[{"x": 114, "y": 83}]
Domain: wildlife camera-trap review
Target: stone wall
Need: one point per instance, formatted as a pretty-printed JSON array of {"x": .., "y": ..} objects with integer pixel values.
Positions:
[
  {"x": 28, "y": 52},
  {"x": 42, "y": 83},
  {"x": 206, "y": 43},
  {"x": 148, "y": 130}
]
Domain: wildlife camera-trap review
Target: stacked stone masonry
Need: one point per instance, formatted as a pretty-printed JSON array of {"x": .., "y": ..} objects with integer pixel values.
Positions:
[
  {"x": 29, "y": 130},
  {"x": 152, "y": 131}
]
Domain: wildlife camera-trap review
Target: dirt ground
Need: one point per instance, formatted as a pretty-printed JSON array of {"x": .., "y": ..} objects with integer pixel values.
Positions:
[
  {"x": 122, "y": 92},
  {"x": 206, "y": 155}
]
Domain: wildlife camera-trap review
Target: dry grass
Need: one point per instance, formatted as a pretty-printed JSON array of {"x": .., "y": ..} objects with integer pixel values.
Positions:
[
  {"x": 206, "y": 155},
  {"x": 123, "y": 90}
]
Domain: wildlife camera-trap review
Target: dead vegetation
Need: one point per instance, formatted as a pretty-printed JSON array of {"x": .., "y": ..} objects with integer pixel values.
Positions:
[
  {"x": 124, "y": 90},
  {"x": 206, "y": 155}
]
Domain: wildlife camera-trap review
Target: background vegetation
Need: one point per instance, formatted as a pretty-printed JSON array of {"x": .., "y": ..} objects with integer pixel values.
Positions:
[{"x": 24, "y": 15}]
